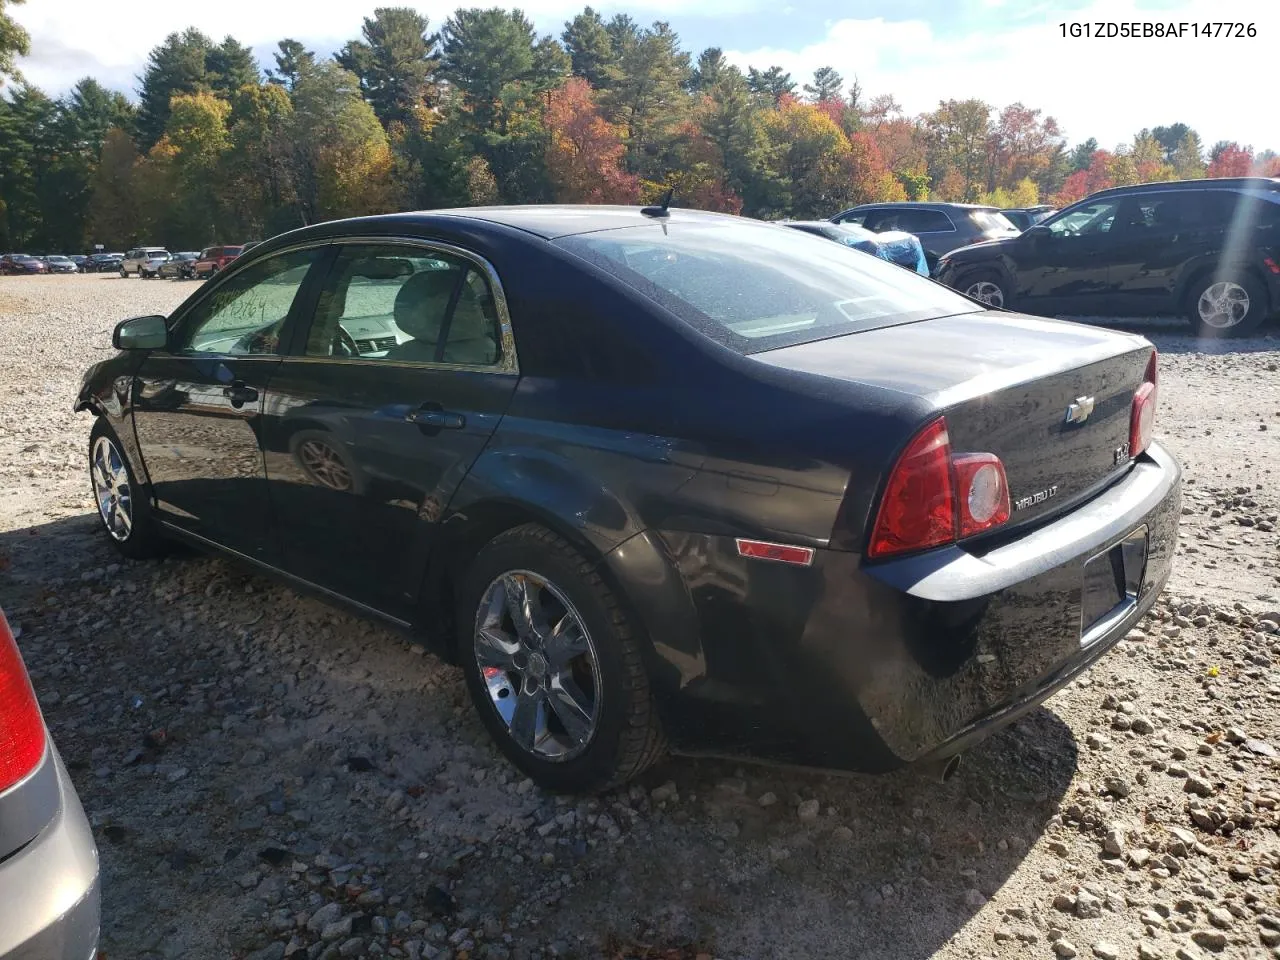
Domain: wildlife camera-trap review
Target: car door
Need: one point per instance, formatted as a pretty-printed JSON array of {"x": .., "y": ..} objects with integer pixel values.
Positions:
[
  {"x": 1156, "y": 233},
  {"x": 378, "y": 412},
  {"x": 1065, "y": 267},
  {"x": 197, "y": 405}
]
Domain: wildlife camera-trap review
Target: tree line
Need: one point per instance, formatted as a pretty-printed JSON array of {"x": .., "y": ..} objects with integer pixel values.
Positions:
[{"x": 486, "y": 110}]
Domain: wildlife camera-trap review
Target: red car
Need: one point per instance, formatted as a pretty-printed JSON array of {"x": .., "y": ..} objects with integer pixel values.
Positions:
[
  {"x": 213, "y": 259},
  {"x": 18, "y": 263}
]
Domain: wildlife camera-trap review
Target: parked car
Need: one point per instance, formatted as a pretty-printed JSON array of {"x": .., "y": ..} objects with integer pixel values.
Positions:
[
  {"x": 61, "y": 264},
  {"x": 181, "y": 266},
  {"x": 79, "y": 260},
  {"x": 657, "y": 477},
  {"x": 49, "y": 899},
  {"x": 940, "y": 227},
  {"x": 894, "y": 246},
  {"x": 213, "y": 259},
  {"x": 1025, "y": 217},
  {"x": 1209, "y": 249},
  {"x": 15, "y": 264},
  {"x": 135, "y": 258},
  {"x": 150, "y": 269},
  {"x": 102, "y": 263}
]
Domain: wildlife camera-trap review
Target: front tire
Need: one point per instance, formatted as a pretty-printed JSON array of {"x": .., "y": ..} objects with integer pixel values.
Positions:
[
  {"x": 553, "y": 664},
  {"x": 1232, "y": 306},
  {"x": 123, "y": 507}
]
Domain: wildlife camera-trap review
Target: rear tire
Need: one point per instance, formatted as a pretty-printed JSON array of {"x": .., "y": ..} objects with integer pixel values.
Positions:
[
  {"x": 124, "y": 274},
  {"x": 123, "y": 506},
  {"x": 573, "y": 662},
  {"x": 1226, "y": 306},
  {"x": 986, "y": 286}
]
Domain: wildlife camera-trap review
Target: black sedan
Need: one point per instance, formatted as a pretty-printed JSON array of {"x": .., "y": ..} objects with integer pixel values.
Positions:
[
  {"x": 656, "y": 477},
  {"x": 181, "y": 266}
]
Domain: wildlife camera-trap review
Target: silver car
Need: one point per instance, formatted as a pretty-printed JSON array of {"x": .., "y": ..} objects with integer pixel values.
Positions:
[{"x": 48, "y": 860}]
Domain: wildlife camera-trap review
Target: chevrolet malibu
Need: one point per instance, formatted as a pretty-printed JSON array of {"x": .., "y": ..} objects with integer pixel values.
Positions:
[{"x": 656, "y": 478}]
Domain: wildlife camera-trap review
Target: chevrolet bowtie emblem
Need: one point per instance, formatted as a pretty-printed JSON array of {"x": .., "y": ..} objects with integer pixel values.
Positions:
[{"x": 1079, "y": 411}]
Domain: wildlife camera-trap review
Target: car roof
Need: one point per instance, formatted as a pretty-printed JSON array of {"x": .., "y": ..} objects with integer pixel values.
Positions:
[
  {"x": 922, "y": 205},
  {"x": 1207, "y": 183}
]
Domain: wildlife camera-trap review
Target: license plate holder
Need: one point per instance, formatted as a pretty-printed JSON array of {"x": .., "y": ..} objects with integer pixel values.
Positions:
[{"x": 1111, "y": 584}]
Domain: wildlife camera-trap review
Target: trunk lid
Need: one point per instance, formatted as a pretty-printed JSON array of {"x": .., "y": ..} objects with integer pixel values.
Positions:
[{"x": 1005, "y": 383}]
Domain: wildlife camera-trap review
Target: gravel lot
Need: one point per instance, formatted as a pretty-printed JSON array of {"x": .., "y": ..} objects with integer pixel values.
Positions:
[{"x": 268, "y": 777}]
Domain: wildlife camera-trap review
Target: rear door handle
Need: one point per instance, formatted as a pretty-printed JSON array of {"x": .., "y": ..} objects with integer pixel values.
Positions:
[
  {"x": 239, "y": 393},
  {"x": 436, "y": 418}
]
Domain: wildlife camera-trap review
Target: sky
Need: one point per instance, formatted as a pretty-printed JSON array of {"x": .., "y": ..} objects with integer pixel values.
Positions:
[{"x": 919, "y": 51}]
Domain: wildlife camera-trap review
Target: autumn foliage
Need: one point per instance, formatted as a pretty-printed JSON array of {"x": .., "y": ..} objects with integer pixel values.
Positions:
[{"x": 584, "y": 151}]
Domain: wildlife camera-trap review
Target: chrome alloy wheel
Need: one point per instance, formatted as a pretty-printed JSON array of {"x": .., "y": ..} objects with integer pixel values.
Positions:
[
  {"x": 111, "y": 489},
  {"x": 987, "y": 292},
  {"x": 1223, "y": 305},
  {"x": 539, "y": 665}
]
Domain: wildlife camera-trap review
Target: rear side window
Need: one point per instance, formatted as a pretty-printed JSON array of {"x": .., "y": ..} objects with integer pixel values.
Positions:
[
  {"x": 917, "y": 221},
  {"x": 988, "y": 220},
  {"x": 857, "y": 218},
  {"x": 754, "y": 287}
]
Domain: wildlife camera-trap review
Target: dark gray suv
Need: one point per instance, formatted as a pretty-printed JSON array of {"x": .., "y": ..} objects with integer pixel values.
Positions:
[{"x": 941, "y": 227}]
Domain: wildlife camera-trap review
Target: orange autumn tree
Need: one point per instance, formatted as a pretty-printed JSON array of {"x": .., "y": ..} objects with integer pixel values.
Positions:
[
  {"x": 1230, "y": 160},
  {"x": 584, "y": 151}
]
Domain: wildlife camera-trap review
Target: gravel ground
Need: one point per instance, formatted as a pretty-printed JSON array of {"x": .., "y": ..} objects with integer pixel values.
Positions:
[{"x": 268, "y": 777}]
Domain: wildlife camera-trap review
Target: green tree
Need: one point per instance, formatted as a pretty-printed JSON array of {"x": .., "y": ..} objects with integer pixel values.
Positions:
[
  {"x": 258, "y": 198},
  {"x": 113, "y": 210},
  {"x": 177, "y": 66},
  {"x": 292, "y": 60},
  {"x": 340, "y": 161},
  {"x": 14, "y": 43},
  {"x": 827, "y": 85},
  {"x": 711, "y": 68},
  {"x": 775, "y": 83},
  {"x": 1170, "y": 137},
  {"x": 647, "y": 100},
  {"x": 229, "y": 66},
  {"x": 733, "y": 122},
  {"x": 959, "y": 136},
  {"x": 590, "y": 48},
  {"x": 483, "y": 51},
  {"x": 90, "y": 111},
  {"x": 1188, "y": 157},
  {"x": 396, "y": 62},
  {"x": 1081, "y": 155},
  {"x": 191, "y": 152}
]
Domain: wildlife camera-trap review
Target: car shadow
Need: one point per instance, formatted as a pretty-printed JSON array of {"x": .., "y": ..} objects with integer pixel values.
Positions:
[{"x": 730, "y": 858}]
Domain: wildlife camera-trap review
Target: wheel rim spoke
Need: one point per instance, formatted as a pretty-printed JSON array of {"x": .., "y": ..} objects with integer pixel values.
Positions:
[
  {"x": 519, "y": 604},
  {"x": 573, "y": 708},
  {"x": 565, "y": 641},
  {"x": 493, "y": 649},
  {"x": 525, "y": 719}
]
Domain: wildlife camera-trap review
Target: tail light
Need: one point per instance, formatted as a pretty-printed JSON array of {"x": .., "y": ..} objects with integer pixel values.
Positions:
[
  {"x": 21, "y": 727},
  {"x": 1142, "y": 422},
  {"x": 935, "y": 497}
]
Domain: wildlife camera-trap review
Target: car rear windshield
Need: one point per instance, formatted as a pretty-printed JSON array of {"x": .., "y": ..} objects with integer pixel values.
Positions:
[
  {"x": 231, "y": 251},
  {"x": 991, "y": 220},
  {"x": 755, "y": 287}
]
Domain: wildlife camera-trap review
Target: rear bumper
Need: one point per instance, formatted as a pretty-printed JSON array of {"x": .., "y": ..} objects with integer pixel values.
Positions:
[
  {"x": 872, "y": 667},
  {"x": 49, "y": 899}
]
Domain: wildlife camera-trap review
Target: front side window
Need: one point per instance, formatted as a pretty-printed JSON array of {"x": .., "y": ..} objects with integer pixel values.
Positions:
[
  {"x": 1088, "y": 219},
  {"x": 245, "y": 313},
  {"x": 991, "y": 220},
  {"x": 405, "y": 304},
  {"x": 753, "y": 287}
]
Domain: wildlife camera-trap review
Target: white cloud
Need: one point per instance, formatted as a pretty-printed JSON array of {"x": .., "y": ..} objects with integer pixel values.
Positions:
[
  {"x": 1105, "y": 88},
  {"x": 72, "y": 38}
]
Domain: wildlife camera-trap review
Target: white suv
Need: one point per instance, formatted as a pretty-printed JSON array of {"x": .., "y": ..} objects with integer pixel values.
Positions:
[{"x": 135, "y": 258}]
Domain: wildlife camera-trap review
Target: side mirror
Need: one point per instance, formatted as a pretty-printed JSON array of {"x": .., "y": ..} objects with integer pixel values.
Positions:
[
  {"x": 1037, "y": 232},
  {"x": 141, "y": 333}
]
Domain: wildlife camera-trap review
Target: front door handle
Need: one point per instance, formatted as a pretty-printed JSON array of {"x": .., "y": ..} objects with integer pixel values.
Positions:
[
  {"x": 239, "y": 393},
  {"x": 436, "y": 419}
]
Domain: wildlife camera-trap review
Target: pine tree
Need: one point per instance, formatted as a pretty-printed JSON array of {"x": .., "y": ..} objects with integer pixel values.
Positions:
[
  {"x": 292, "y": 60},
  {"x": 827, "y": 85},
  {"x": 177, "y": 66},
  {"x": 590, "y": 48},
  {"x": 396, "y": 62}
]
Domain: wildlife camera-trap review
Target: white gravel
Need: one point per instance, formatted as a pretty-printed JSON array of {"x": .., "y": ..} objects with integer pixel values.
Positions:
[{"x": 268, "y": 777}]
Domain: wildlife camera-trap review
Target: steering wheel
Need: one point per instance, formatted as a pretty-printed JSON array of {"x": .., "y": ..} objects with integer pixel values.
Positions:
[{"x": 343, "y": 344}]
